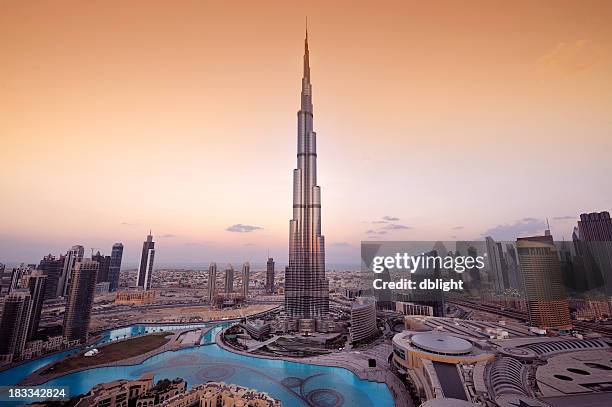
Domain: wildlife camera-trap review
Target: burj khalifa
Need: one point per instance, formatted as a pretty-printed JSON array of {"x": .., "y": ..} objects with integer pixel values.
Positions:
[{"x": 306, "y": 288}]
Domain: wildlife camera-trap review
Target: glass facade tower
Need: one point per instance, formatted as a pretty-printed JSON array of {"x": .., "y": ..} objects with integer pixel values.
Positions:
[{"x": 306, "y": 288}]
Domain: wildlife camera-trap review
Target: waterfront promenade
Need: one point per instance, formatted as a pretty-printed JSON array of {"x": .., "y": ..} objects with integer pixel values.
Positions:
[
  {"x": 181, "y": 339},
  {"x": 354, "y": 360}
]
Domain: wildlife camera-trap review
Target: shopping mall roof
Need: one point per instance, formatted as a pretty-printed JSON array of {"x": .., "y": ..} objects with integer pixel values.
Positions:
[{"x": 441, "y": 343}]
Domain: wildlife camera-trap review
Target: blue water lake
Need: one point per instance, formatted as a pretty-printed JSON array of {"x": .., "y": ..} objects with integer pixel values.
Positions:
[{"x": 294, "y": 384}]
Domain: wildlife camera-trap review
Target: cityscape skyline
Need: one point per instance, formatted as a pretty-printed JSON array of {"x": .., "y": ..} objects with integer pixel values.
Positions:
[
  {"x": 408, "y": 122},
  {"x": 453, "y": 296}
]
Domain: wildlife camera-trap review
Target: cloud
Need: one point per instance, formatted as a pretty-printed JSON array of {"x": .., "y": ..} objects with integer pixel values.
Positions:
[
  {"x": 376, "y": 232},
  {"x": 457, "y": 228},
  {"x": 342, "y": 245},
  {"x": 240, "y": 228},
  {"x": 386, "y": 219},
  {"x": 568, "y": 217},
  {"x": 510, "y": 231},
  {"x": 568, "y": 58},
  {"x": 167, "y": 236},
  {"x": 388, "y": 226},
  {"x": 128, "y": 224},
  {"x": 397, "y": 226}
]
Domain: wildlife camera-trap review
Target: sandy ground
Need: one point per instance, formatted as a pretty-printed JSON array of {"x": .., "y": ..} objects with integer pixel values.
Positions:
[{"x": 178, "y": 314}]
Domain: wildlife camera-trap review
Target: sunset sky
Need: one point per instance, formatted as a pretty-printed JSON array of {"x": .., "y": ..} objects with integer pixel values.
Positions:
[{"x": 435, "y": 121}]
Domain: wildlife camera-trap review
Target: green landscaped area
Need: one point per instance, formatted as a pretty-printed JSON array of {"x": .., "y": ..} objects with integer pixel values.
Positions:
[{"x": 113, "y": 352}]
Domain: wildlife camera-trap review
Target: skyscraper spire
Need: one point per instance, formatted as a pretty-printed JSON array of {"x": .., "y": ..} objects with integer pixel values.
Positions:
[{"x": 306, "y": 56}]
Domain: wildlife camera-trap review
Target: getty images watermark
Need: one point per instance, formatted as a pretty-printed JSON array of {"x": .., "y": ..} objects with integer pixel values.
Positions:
[{"x": 423, "y": 266}]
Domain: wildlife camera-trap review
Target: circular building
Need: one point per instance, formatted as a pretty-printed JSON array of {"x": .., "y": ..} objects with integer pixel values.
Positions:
[
  {"x": 363, "y": 319},
  {"x": 431, "y": 359},
  {"x": 411, "y": 348},
  {"x": 441, "y": 344}
]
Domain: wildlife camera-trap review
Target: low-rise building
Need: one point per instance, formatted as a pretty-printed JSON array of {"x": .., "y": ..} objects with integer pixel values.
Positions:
[
  {"x": 163, "y": 390},
  {"x": 117, "y": 393},
  {"x": 214, "y": 394},
  {"x": 257, "y": 329},
  {"x": 135, "y": 297}
]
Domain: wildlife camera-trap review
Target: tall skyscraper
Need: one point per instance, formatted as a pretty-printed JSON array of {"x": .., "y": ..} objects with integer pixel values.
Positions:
[
  {"x": 6, "y": 280},
  {"x": 14, "y": 324},
  {"x": 495, "y": 265},
  {"x": 53, "y": 268},
  {"x": 74, "y": 255},
  {"x": 595, "y": 227},
  {"x": 547, "y": 302},
  {"x": 80, "y": 300},
  {"x": 37, "y": 282},
  {"x": 229, "y": 279},
  {"x": 145, "y": 271},
  {"x": 270, "y": 275},
  {"x": 473, "y": 271},
  {"x": 306, "y": 288},
  {"x": 513, "y": 267},
  {"x": 595, "y": 230},
  {"x": 212, "y": 281},
  {"x": 10, "y": 277},
  {"x": 246, "y": 271},
  {"x": 115, "y": 266},
  {"x": 104, "y": 262}
]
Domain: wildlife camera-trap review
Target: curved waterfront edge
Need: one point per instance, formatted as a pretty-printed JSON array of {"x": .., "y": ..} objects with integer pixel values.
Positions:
[
  {"x": 208, "y": 339},
  {"x": 396, "y": 388}
]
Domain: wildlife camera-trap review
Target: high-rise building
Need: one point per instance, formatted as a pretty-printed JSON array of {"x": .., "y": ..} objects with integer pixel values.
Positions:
[
  {"x": 115, "y": 266},
  {"x": 306, "y": 288},
  {"x": 10, "y": 278},
  {"x": 513, "y": 267},
  {"x": 145, "y": 271},
  {"x": 363, "y": 319},
  {"x": 270, "y": 275},
  {"x": 212, "y": 281},
  {"x": 504, "y": 265},
  {"x": 80, "y": 300},
  {"x": 595, "y": 227},
  {"x": 246, "y": 271},
  {"x": 2, "y": 269},
  {"x": 547, "y": 302},
  {"x": 14, "y": 324},
  {"x": 74, "y": 255},
  {"x": 37, "y": 282},
  {"x": 495, "y": 265},
  {"x": 6, "y": 280},
  {"x": 52, "y": 267},
  {"x": 595, "y": 230},
  {"x": 229, "y": 279},
  {"x": 473, "y": 271},
  {"x": 104, "y": 268}
]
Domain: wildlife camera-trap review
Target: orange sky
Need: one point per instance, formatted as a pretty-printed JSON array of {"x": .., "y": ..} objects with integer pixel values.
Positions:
[{"x": 181, "y": 116}]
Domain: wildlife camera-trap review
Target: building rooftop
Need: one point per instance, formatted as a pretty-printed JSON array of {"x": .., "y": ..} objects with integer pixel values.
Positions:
[
  {"x": 441, "y": 343},
  {"x": 447, "y": 402}
]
